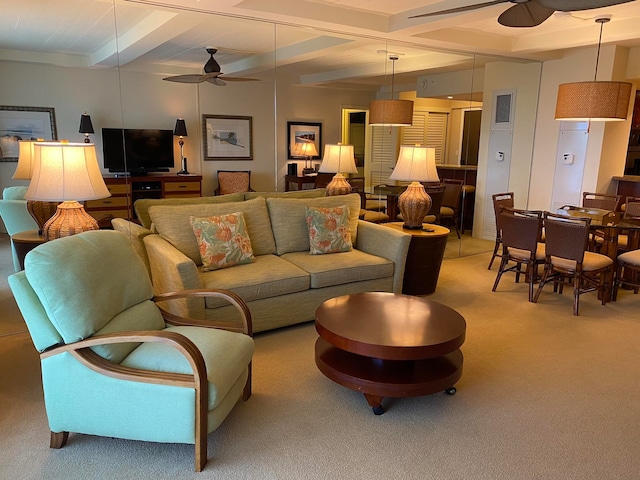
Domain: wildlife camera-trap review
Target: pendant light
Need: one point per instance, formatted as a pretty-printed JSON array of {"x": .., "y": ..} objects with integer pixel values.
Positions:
[
  {"x": 393, "y": 112},
  {"x": 596, "y": 100}
]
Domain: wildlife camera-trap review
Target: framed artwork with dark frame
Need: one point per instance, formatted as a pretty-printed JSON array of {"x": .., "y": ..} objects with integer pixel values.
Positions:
[
  {"x": 303, "y": 132},
  {"x": 24, "y": 123},
  {"x": 227, "y": 137}
]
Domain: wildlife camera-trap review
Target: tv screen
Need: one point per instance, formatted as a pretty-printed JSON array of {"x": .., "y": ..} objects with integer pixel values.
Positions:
[{"x": 137, "y": 150}]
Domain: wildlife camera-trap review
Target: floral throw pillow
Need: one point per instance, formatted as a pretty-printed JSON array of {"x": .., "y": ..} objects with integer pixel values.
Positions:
[
  {"x": 328, "y": 229},
  {"x": 223, "y": 240}
]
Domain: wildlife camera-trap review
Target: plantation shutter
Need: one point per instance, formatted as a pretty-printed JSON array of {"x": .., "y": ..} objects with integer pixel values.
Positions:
[
  {"x": 384, "y": 153},
  {"x": 428, "y": 129}
]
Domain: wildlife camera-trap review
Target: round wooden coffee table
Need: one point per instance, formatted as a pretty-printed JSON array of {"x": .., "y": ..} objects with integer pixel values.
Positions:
[{"x": 389, "y": 345}]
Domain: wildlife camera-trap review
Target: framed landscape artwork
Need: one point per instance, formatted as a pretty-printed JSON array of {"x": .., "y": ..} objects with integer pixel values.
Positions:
[
  {"x": 24, "y": 123},
  {"x": 299, "y": 133},
  {"x": 227, "y": 137}
]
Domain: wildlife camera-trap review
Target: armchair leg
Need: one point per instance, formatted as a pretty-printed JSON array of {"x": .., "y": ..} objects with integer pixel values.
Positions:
[
  {"x": 58, "y": 439},
  {"x": 246, "y": 393}
]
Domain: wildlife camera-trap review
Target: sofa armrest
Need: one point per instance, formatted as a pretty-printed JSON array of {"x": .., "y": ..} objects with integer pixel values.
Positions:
[
  {"x": 387, "y": 243},
  {"x": 135, "y": 233},
  {"x": 172, "y": 271}
]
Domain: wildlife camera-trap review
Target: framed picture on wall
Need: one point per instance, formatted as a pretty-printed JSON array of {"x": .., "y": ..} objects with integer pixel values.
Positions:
[
  {"x": 300, "y": 133},
  {"x": 227, "y": 137},
  {"x": 24, "y": 123}
]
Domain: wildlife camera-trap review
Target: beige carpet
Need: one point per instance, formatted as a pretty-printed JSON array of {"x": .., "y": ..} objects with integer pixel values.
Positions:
[{"x": 544, "y": 395}]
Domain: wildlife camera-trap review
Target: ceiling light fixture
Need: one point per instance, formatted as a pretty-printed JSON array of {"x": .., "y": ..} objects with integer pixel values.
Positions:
[
  {"x": 596, "y": 100},
  {"x": 393, "y": 112}
]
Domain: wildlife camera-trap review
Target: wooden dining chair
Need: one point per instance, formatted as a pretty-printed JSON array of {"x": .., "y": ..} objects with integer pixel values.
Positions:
[
  {"x": 605, "y": 201},
  {"x": 499, "y": 200},
  {"x": 521, "y": 234},
  {"x": 450, "y": 209},
  {"x": 568, "y": 262}
]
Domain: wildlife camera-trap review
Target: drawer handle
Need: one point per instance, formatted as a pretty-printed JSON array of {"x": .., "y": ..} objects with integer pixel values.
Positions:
[{"x": 182, "y": 186}]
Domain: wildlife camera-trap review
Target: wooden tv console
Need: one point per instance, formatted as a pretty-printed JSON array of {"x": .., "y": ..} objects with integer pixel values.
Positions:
[{"x": 127, "y": 189}]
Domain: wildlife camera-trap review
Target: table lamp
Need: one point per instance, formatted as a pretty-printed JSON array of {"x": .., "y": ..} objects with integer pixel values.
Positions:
[
  {"x": 415, "y": 164},
  {"x": 40, "y": 211},
  {"x": 307, "y": 150},
  {"x": 181, "y": 131},
  {"x": 337, "y": 159},
  {"x": 66, "y": 172},
  {"x": 86, "y": 126}
]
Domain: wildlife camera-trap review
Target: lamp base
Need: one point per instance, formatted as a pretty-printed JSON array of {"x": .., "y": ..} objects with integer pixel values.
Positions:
[
  {"x": 41, "y": 212},
  {"x": 184, "y": 170},
  {"x": 70, "y": 218},
  {"x": 338, "y": 186},
  {"x": 414, "y": 204}
]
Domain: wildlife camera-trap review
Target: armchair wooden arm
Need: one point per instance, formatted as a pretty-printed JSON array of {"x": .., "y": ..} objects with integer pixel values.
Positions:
[
  {"x": 231, "y": 297},
  {"x": 198, "y": 380}
]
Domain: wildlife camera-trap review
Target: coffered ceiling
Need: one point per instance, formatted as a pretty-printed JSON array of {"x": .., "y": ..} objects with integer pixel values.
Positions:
[{"x": 319, "y": 42}]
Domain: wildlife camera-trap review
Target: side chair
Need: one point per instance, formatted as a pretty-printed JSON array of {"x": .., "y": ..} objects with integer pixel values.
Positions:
[
  {"x": 450, "y": 209},
  {"x": 113, "y": 362},
  {"x": 521, "y": 233},
  {"x": 233, "y": 181},
  {"x": 568, "y": 262},
  {"x": 499, "y": 200},
  {"x": 604, "y": 201}
]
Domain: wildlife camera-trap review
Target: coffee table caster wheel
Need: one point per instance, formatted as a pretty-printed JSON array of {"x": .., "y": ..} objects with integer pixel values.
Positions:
[
  {"x": 451, "y": 391},
  {"x": 378, "y": 410}
]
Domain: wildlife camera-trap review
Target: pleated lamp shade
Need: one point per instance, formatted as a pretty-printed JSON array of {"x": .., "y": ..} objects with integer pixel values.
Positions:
[
  {"x": 597, "y": 100},
  {"x": 415, "y": 164},
  {"x": 338, "y": 159},
  {"x": 391, "y": 112},
  {"x": 66, "y": 172},
  {"x": 24, "y": 170}
]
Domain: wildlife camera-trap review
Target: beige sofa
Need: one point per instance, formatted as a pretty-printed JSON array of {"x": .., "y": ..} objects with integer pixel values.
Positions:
[{"x": 285, "y": 284}]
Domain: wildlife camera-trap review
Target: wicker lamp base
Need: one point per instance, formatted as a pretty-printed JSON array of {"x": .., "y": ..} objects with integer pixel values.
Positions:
[
  {"x": 414, "y": 204},
  {"x": 70, "y": 218},
  {"x": 338, "y": 186}
]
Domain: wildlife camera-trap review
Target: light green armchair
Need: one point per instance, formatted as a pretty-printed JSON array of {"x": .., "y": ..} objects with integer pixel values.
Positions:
[
  {"x": 15, "y": 216},
  {"x": 111, "y": 366}
]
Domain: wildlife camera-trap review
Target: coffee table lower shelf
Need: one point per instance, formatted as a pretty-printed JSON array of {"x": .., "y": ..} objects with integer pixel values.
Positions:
[{"x": 377, "y": 378}]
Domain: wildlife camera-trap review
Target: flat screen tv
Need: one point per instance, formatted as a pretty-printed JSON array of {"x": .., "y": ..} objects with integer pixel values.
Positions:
[{"x": 137, "y": 151}]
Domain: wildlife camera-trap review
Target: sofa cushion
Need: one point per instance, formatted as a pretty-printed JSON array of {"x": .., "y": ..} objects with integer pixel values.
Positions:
[
  {"x": 340, "y": 268},
  {"x": 288, "y": 219},
  {"x": 223, "y": 241},
  {"x": 14, "y": 193},
  {"x": 226, "y": 356},
  {"x": 172, "y": 222},
  {"x": 267, "y": 276},
  {"x": 142, "y": 205},
  {"x": 328, "y": 230}
]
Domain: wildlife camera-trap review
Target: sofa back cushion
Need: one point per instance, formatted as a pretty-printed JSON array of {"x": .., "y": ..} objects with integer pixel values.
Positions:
[
  {"x": 289, "y": 224},
  {"x": 142, "y": 205},
  {"x": 90, "y": 283},
  {"x": 173, "y": 223},
  {"x": 309, "y": 193},
  {"x": 14, "y": 193}
]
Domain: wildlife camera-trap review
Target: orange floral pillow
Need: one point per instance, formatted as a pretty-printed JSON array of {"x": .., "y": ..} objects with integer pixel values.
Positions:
[
  {"x": 223, "y": 241},
  {"x": 328, "y": 230}
]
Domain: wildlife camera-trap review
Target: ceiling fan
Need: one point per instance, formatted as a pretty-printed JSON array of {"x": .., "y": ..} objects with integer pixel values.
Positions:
[
  {"x": 212, "y": 74},
  {"x": 530, "y": 13}
]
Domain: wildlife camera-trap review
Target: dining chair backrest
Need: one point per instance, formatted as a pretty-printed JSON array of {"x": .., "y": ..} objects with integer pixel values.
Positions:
[
  {"x": 632, "y": 209},
  {"x": 521, "y": 229},
  {"x": 566, "y": 237},
  {"x": 501, "y": 200},
  {"x": 452, "y": 189},
  {"x": 605, "y": 201},
  {"x": 436, "y": 192}
]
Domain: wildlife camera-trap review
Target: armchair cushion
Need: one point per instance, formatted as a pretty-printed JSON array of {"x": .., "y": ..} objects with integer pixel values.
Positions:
[
  {"x": 172, "y": 222},
  {"x": 328, "y": 230},
  {"x": 69, "y": 313},
  {"x": 223, "y": 241},
  {"x": 226, "y": 355},
  {"x": 14, "y": 193},
  {"x": 289, "y": 223}
]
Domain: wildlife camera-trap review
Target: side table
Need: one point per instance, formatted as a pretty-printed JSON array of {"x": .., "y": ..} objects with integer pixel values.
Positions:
[
  {"x": 24, "y": 242},
  {"x": 424, "y": 259}
]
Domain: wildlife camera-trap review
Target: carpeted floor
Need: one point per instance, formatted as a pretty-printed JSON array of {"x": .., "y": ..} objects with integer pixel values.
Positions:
[{"x": 544, "y": 395}]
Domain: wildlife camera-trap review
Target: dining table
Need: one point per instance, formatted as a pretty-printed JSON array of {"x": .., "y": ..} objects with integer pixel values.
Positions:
[{"x": 609, "y": 225}]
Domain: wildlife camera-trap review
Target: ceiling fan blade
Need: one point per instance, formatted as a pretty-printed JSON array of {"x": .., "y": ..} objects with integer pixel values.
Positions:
[
  {"x": 216, "y": 81},
  {"x": 529, "y": 14},
  {"x": 573, "y": 6},
  {"x": 462, "y": 9},
  {"x": 191, "y": 78},
  {"x": 239, "y": 79}
]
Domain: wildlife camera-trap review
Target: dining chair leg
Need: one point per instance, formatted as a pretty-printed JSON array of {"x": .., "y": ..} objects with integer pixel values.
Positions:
[
  {"x": 503, "y": 263},
  {"x": 576, "y": 294},
  {"x": 495, "y": 253},
  {"x": 543, "y": 280}
]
